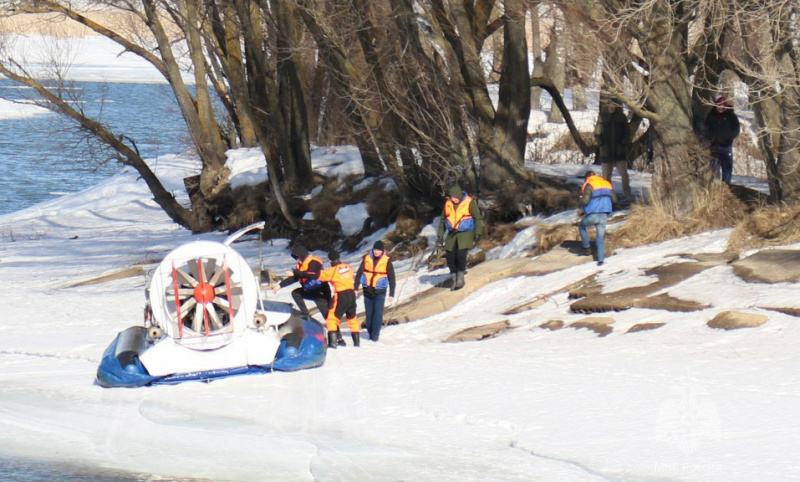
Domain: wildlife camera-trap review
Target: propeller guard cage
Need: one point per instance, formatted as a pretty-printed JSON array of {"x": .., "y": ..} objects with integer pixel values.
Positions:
[{"x": 212, "y": 287}]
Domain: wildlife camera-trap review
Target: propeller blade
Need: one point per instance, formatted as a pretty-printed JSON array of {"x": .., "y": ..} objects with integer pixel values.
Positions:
[
  {"x": 187, "y": 277},
  {"x": 197, "y": 322},
  {"x": 215, "y": 278},
  {"x": 186, "y": 307},
  {"x": 236, "y": 290},
  {"x": 209, "y": 267},
  {"x": 212, "y": 315},
  {"x": 192, "y": 264}
]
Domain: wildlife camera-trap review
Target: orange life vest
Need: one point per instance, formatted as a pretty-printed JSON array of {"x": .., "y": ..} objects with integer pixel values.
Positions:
[
  {"x": 341, "y": 276},
  {"x": 596, "y": 182},
  {"x": 375, "y": 272},
  {"x": 309, "y": 283},
  {"x": 458, "y": 218}
]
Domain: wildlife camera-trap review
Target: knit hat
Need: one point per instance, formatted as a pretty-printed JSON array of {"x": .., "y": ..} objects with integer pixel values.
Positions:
[
  {"x": 378, "y": 246},
  {"x": 723, "y": 101},
  {"x": 333, "y": 256},
  {"x": 456, "y": 191},
  {"x": 299, "y": 252}
]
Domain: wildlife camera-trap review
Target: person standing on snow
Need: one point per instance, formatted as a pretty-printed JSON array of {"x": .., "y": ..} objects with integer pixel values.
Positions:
[
  {"x": 342, "y": 277},
  {"x": 462, "y": 220},
  {"x": 376, "y": 275},
  {"x": 306, "y": 272},
  {"x": 722, "y": 127},
  {"x": 613, "y": 142},
  {"x": 597, "y": 197}
]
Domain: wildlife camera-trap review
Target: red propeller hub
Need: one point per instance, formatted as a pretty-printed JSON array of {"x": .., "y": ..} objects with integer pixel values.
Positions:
[{"x": 204, "y": 293}]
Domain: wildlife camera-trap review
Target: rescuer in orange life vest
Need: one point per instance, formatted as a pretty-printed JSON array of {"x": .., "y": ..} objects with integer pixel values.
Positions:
[
  {"x": 311, "y": 288},
  {"x": 376, "y": 275},
  {"x": 597, "y": 198},
  {"x": 462, "y": 219},
  {"x": 342, "y": 277}
]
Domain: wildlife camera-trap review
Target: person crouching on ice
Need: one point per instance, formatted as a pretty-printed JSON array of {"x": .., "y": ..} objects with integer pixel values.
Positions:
[{"x": 342, "y": 277}]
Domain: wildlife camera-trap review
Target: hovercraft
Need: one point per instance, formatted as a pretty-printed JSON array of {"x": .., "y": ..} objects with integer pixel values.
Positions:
[{"x": 206, "y": 318}]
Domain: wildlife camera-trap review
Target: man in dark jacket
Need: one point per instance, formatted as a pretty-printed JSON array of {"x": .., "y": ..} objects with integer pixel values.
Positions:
[
  {"x": 613, "y": 142},
  {"x": 462, "y": 221},
  {"x": 722, "y": 127},
  {"x": 376, "y": 275}
]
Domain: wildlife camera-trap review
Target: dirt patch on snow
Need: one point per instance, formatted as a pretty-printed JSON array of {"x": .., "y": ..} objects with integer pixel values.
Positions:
[
  {"x": 527, "y": 306},
  {"x": 644, "y": 327},
  {"x": 785, "y": 311},
  {"x": 599, "y": 325},
  {"x": 131, "y": 272},
  {"x": 732, "y": 320},
  {"x": 770, "y": 266},
  {"x": 552, "y": 325},
  {"x": 439, "y": 298},
  {"x": 669, "y": 303},
  {"x": 638, "y": 296},
  {"x": 482, "y": 332}
]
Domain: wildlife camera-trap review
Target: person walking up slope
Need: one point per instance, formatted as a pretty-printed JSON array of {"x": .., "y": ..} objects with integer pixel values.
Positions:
[
  {"x": 597, "y": 197},
  {"x": 342, "y": 277},
  {"x": 462, "y": 221},
  {"x": 376, "y": 275}
]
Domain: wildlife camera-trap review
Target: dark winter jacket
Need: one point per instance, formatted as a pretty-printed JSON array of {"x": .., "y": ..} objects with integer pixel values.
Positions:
[
  {"x": 722, "y": 128},
  {"x": 466, "y": 239},
  {"x": 611, "y": 135},
  {"x": 311, "y": 272}
]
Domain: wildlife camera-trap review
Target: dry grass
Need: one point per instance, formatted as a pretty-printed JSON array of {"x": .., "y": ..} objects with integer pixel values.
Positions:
[
  {"x": 565, "y": 141},
  {"x": 768, "y": 226},
  {"x": 551, "y": 236},
  {"x": 655, "y": 222}
]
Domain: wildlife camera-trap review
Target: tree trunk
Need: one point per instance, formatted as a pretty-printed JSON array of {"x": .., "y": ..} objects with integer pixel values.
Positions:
[
  {"x": 555, "y": 69},
  {"x": 513, "y": 107},
  {"x": 536, "y": 52},
  {"x": 682, "y": 175},
  {"x": 295, "y": 149}
]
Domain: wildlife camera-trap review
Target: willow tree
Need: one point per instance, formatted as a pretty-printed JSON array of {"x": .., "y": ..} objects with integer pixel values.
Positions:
[
  {"x": 765, "y": 53},
  {"x": 499, "y": 133}
]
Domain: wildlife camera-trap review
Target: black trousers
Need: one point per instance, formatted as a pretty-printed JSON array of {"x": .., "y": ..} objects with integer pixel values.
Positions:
[
  {"x": 456, "y": 259},
  {"x": 321, "y": 297}
]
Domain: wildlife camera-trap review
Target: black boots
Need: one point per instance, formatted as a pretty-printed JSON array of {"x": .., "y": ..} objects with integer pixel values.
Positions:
[
  {"x": 335, "y": 339},
  {"x": 459, "y": 281}
]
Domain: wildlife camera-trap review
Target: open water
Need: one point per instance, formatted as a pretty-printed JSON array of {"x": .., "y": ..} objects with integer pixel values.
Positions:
[
  {"x": 42, "y": 156},
  {"x": 21, "y": 469}
]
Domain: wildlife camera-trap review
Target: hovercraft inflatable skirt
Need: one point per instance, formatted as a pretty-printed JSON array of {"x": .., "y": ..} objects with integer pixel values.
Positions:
[{"x": 302, "y": 346}]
